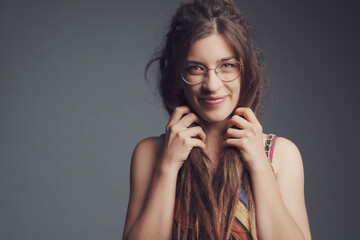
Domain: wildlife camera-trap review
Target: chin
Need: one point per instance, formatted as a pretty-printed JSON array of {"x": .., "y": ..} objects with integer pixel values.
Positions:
[{"x": 216, "y": 117}]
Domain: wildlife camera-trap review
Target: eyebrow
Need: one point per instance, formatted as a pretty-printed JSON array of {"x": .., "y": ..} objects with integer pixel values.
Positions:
[{"x": 221, "y": 60}]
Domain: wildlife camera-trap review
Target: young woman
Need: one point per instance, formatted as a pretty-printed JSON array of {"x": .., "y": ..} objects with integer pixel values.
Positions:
[{"x": 214, "y": 174}]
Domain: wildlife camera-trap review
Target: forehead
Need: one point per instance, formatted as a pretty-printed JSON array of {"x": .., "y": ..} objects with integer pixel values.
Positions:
[{"x": 210, "y": 49}]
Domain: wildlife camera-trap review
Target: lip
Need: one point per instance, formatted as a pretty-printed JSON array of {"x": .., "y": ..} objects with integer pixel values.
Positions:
[{"x": 213, "y": 101}]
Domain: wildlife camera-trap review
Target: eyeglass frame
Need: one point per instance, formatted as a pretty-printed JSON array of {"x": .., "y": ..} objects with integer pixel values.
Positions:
[{"x": 207, "y": 70}]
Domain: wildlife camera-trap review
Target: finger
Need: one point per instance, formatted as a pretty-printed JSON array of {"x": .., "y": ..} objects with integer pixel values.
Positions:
[
  {"x": 197, "y": 143},
  {"x": 196, "y": 131},
  {"x": 189, "y": 119},
  {"x": 232, "y": 142},
  {"x": 237, "y": 121},
  {"x": 233, "y": 133},
  {"x": 248, "y": 114},
  {"x": 177, "y": 115}
]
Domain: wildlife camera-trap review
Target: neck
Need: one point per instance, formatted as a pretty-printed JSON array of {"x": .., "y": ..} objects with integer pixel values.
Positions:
[
  {"x": 214, "y": 140},
  {"x": 214, "y": 130}
]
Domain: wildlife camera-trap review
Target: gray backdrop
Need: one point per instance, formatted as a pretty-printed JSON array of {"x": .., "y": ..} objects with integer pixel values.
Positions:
[{"x": 74, "y": 103}]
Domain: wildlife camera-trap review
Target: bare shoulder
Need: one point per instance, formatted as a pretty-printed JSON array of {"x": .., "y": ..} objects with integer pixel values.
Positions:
[
  {"x": 146, "y": 154},
  {"x": 289, "y": 170},
  {"x": 150, "y": 144},
  {"x": 143, "y": 164},
  {"x": 286, "y": 157},
  {"x": 285, "y": 154},
  {"x": 286, "y": 146}
]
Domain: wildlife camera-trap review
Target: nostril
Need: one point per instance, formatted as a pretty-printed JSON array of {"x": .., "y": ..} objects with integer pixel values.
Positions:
[{"x": 212, "y": 83}]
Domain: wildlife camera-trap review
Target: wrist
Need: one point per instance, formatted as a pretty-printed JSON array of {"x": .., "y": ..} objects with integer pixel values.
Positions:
[
  {"x": 165, "y": 174},
  {"x": 166, "y": 167}
]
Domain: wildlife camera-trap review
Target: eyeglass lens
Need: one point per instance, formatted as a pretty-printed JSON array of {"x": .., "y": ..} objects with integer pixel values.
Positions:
[{"x": 226, "y": 71}]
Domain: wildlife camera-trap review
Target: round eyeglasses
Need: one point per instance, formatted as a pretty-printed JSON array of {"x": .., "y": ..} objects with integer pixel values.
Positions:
[{"x": 226, "y": 71}]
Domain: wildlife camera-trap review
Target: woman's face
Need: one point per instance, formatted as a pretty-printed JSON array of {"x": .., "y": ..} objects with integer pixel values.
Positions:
[{"x": 213, "y": 99}]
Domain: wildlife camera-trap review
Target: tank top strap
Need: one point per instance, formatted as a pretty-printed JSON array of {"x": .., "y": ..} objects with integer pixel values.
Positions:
[{"x": 269, "y": 148}]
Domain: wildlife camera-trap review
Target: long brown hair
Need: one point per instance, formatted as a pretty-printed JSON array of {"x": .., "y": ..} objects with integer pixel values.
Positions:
[{"x": 208, "y": 197}]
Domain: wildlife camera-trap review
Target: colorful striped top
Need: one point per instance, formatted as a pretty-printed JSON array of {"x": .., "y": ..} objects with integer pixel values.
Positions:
[{"x": 240, "y": 229}]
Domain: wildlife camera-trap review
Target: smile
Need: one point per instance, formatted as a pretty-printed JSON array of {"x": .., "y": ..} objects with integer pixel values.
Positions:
[{"x": 213, "y": 100}]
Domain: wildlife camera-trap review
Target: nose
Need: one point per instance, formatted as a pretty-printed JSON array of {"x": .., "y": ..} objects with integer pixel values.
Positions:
[{"x": 212, "y": 82}]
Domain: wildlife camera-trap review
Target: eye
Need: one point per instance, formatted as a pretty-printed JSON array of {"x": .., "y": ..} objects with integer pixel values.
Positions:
[
  {"x": 228, "y": 66},
  {"x": 194, "y": 70}
]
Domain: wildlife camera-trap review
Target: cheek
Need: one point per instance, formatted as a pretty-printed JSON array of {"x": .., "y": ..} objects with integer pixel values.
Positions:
[
  {"x": 189, "y": 94},
  {"x": 239, "y": 88},
  {"x": 238, "y": 92}
]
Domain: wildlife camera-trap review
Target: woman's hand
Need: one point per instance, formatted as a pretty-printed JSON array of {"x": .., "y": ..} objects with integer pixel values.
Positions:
[
  {"x": 248, "y": 138},
  {"x": 181, "y": 138}
]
